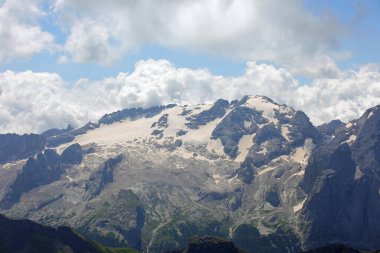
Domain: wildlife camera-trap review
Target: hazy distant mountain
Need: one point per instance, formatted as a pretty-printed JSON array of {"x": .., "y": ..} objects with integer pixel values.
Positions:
[{"x": 252, "y": 171}]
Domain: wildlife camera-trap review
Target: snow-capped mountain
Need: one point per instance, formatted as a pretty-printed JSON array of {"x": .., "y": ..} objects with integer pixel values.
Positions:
[{"x": 253, "y": 171}]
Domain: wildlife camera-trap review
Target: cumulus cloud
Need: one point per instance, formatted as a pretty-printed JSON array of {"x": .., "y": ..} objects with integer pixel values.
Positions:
[
  {"x": 20, "y": 34},
  {"x": 34, "y": 102},
  {"x": 90, "y": 42},
  {"x": 345, "y": 98},
  {"x": 283, "y": 32}
]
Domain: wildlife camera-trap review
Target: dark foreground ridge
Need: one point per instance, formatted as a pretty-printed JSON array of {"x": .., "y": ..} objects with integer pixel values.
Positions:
[
  {"x": 338, "y": 248},
  {"x": 218, "y": 245},
  {"x": 209, "y": 244},
  {"x": 18, "y": 236}
]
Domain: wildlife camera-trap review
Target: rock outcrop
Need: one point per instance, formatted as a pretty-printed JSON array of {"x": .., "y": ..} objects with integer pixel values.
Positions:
[{"x": 15, "y": 147}]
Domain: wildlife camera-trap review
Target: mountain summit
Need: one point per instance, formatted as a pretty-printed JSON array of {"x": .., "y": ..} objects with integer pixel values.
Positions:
[{"x": 250, "y": 170}]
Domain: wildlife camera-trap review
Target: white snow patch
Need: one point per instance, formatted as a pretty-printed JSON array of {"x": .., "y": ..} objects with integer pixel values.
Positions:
[
  {"x": 244, "y": 144},
  {"x": 349, "y": 125},
  {"x": 285, "y": 132},
  {"x": 119, "y": 132},
  {"x": 217, "y": 178},
  {"x": 351, "y": 139},
  {"x": 247, "y": 124},
  {"x": 232, "y": 179},
  {"x": 263, "y": 150},
  {"x": 175, "y": 121},
  {"x": 299, "y": 206},
  {"x": 69, "y": 178},
  {"x": 300, "y": 173},
  {"x": 358, "y": 173},
  {"x": 136, "y": 131},
  {"x": 267, "y": 169},
  {"x": 301, "y": 155},
  {"x": 370, "y": 115}
]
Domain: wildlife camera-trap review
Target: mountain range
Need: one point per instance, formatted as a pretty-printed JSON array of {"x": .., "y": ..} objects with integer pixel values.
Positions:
[{"x": 250, "y": 170}]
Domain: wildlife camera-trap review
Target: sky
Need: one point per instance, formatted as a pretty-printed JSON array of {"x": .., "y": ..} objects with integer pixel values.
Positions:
[{"x": 71, "y": 61}]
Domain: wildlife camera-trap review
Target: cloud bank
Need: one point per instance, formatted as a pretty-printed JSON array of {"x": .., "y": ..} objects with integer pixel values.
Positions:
[
  {"x": 281, "y": 32},
  {"x": 34, "y": 102}
]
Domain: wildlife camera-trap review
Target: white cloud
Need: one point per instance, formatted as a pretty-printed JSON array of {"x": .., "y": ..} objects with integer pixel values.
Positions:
[
  {"x": 34, "y": 102},
  {"x": 20, "y": 34},
  {"x": 346, "y": 97},
  {"x": 283, "y": 32},
  {"x": 89, "y": 42}
]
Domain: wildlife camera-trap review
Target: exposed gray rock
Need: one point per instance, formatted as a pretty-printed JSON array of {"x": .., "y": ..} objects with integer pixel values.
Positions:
[
  {"x": 327, "y": 130},
  {"x": 218, "y": 110},
  {"x": 162, "y": 122},
  {"x": 68, "y": 136},
  {"x": 342, "y": 183},
  {"x": 72, "y": 154},
  {"x": 56, "y": 131},
  {"x": 232, "y": 128},
  {"x": 44, "y": 169},
  {"x": 181, "y": 132},
  {"x": 102, "y": 177},
  {"x": 14, "y": 147}
]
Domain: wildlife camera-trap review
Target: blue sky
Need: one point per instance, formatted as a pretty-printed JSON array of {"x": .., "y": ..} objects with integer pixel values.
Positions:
[{"x": 304, "y": 53}]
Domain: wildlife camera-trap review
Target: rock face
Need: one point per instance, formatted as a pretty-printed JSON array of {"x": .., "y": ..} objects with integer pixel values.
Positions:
[
  {"x": 72, "y": 154},
  {"x": 99, "y": 179},
  {"x": 342, "y": 183},
  {"x": 217, "y": 110},
  {"x": 253, "y": 171},
  {"x": 15, "y": 147},
  {"x": 42, "y": 170}
]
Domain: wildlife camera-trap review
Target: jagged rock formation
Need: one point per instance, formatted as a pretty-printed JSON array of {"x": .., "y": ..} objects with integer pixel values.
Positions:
[
  {"x": 15, "y": 147},
  {"x": 99, "y": 179},
  {"x": 342, "y": 183},
  {"x": 46, "y": 168},
  {"x": 42, "y": 170},
  {"x": 72, "y": 154},
  {"x": 152, "y": 178}
]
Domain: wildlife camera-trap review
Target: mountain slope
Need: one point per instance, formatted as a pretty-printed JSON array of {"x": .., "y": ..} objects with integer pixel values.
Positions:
[{"x": 152, "y": 178}]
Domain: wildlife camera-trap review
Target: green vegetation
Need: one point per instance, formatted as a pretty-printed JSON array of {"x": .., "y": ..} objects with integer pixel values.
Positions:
[
  {"x": 104, "y": 249},
  {"x": 177, "y": 232}
]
